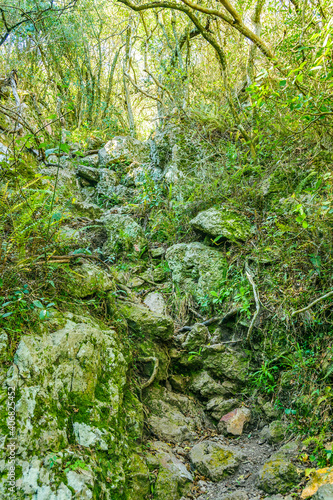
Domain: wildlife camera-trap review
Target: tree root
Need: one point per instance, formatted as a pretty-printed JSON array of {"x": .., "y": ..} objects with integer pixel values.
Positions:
[{"x": 155, "y": 370}]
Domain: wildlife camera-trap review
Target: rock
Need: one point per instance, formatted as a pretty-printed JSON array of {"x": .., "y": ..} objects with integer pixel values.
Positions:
[
  {"x": 94, "y": 142},
  {"x": 79, "y": 483},
  {"x": 122, "y": 150},
  {"x": 68, "y": 237},
  {"x": 138, "y": 486},
  {"x": 179, "y": 382},
  {"x": 4, "y": 153},
  {"x": 275, "y": 497},
  {"x": 273, "y": 433},
  {"x": 214, "y": 460},
  {"x": 219, "y": 406},
  {"x": 196, "y": 268},
  {"x": 3, "y": 344},
  {"x": 222, "y": 362},
  {"x": 324, "y": 492},
  {"x": 108, "y": 181},
  {"x": 90, "y": 160},
  {"x": 318, "y": 479},
  {"x": 86, "y": 209},
  {"x": 173, "y": 476},
  {"x": 87, "y": 280},
  {"x": 70, "y": 382},
  {"x": 269, "y": 410},
  {"x": 203, "y": 384},
  {"x": 277, "y": 476},
  {"x": 222, "y": 222},
  {"x": 146, "y": 323},
  {"x": 196, "y": 338},
  {"x": 124, "y": 235},
  {"x": 233, "y": 422},
  {"x": 235, "y": 495},
  {"x": 173, "y": 417},
  {"x": 155, "y": 302},
  {"x": 91, "y": 174},
  {"x": 157, "y": 253}
]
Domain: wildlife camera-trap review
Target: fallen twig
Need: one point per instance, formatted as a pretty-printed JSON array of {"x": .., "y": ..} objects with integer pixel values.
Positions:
[{"x": 329, "y": 294}]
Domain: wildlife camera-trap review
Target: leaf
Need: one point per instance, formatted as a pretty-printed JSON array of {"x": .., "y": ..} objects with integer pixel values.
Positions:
[
  {"x": 38, "y": 303},
  {"x": 6, "y": 315},
  {"x": 305, "y": 224},
  {"x": 282, "y": 83}
]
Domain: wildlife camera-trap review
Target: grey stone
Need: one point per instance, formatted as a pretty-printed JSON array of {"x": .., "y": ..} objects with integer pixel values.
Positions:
[
  {"x": 3, "y": 343},
  {"x": 277, "y": 476},
  {"x": 89, "y": 279},
  {"x": 155, "y": 302},
  {"x": 146, "y": 323},
  {"x": 274, "y": 433},
  {"x": 203, "y": 384},
  {"x": 157, "y": 252},
  {"x": 4, "y": 153},
  {"x": 79, "y": 483},
  {"x": 173, "y": 417},
  {"x": 173, "y": 475},
  {"x": 91, "y": 174},
  {"x": 219, "y": 406},
  {"x": 222, "y": 222},
  {"x": 324, "y": 492},
  {"x": 122, "y": 150},
  {"x": 90, "y": 160},
  {"x": 196, "y": 268},
  {"x": 222, "y": 362},
  {"x": 124, "y": 234},
  {"x": 196, "y": 338},
  {"x": 88, "y": 436},
  {"x": 214, "y": 460}
]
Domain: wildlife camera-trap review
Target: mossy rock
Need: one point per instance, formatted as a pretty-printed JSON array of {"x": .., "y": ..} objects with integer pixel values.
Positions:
[
  {"x": 222, "y": 222},
  {"x": 144, "y": 323},
  {"x": 278, "y": 476}
]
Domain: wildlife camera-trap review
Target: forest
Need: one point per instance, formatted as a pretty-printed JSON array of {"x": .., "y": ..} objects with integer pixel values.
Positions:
[{"x": 166, "y": 249}]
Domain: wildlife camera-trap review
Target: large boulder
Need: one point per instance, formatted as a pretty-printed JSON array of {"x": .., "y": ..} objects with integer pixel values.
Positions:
[
  {"x": 146, "y": 323},
  {"x": 221, "y": 361},
  {"x": 88, "y": 279},
  {"x": 220, "y": 406},
  {"x": 123, "y": 151},
  {"x": 324, "y": 492},
  {"x": 277, "y": 475},
  {"x": 204, "y": 385},
  {"x": 72, "y": 411},
  {"x": 214, "y": 460},
  {"x": 319, "y": 479},
  {"x": 91, "y": 174},
  {"x": 196, "y": 268},
  {"x": 173, "y": 477},
  {"x": 222, "y": 222},
  {"x": 274, "y": 433},
  {"x": 173, "y": 417},
  {"x": 123, "y": 235},
  {"x": 196, "y": 338}
]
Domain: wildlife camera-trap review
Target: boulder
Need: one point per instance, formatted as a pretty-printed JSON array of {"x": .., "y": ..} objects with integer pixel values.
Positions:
[
  {"x": 157, "y": 253},
  {"x": 123, "y": 235},
  {"x": 203, "y": 384},
  {"x": 122, "y": 151},
  {"x": 91, "y": 174},
  {"x": 72, "y": 410},
  {"x": 179, "y": 382},
  {"x": 196, "y": 268},
  {"x": 155, "y": 302},
  {"x": 324, "y": 492},
  {"x": 277, "y": 476},
  {"x": 220, "y": 406},
  {"x": 214, "y": 460},
  {"x": 173, "y": 417},
  {"x": 108, "y": 180},
  {"x": 221, "y": 361},
  {"x": 173, "y": 476},
  {"x": 87, "y": 280},
  {"x": 86, "y": 209},
  {"x": 4, "y": 153},
  {"x": 146, "y": 323},
  {"x": 196, "y": 338},
  {"x": 222, "y": 222},
  {"x": 90, "y": 160},
  {"x": 138, "y": 485},
  {"x": 234, "y": 421},
  {"x": 274, "y": 433}
]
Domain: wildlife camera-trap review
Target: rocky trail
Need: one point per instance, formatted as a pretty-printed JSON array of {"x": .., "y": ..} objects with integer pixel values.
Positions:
[{"x": 189, "y": 431}]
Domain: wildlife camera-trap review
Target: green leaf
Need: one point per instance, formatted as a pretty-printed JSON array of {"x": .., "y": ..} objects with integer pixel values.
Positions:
[
  {"x": 282, "y": 83},
  {"x": 6, "y": 315},
  {"x": 305, "y": 224},
  {"x": 38, "y": 303}
]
